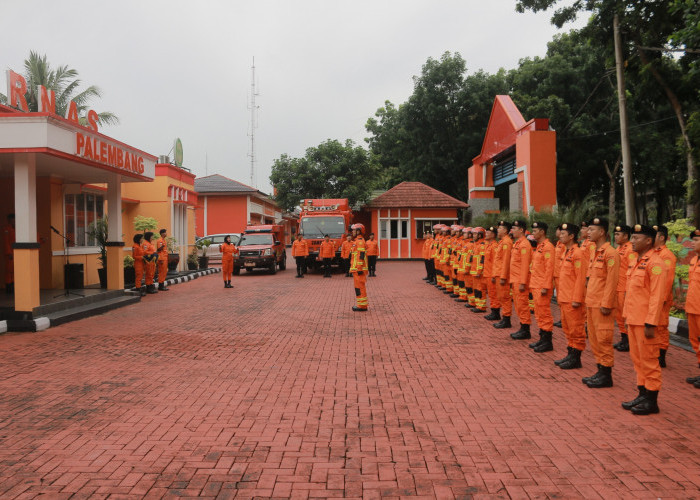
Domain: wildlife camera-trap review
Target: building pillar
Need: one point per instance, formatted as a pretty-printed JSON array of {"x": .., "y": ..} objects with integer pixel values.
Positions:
[
  {"x": 26, "y": 247},
  {"x": 115, "y": 259}
]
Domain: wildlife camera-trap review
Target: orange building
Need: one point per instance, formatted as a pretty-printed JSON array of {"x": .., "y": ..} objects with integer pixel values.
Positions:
[
  {"x": 402, "y": 215},
  {"x": 517, "y": 167}
]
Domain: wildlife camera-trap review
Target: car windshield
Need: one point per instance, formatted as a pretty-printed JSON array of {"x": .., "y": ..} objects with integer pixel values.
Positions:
[
  {"x": 318, "y": 227},
  {"x": 257, "y": 239}
]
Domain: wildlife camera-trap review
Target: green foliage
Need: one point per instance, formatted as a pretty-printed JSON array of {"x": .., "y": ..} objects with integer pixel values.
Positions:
[
  {"x": 99, "y": 230},
  {"x": 128, "y": 261},
  {"x": 678, "y": 313},
  {"x": 203, "y": 245},
  {"x": 192, "y": 258},
  {"x": 143, "y": 224},
  {"x": 172, "y": 244}
]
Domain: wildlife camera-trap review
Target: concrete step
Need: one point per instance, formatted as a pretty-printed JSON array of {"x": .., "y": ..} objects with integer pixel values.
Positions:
[{"x": 91, "y": 309}]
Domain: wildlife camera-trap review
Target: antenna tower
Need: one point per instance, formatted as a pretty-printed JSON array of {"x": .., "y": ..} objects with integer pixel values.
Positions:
[{"x": 253, "y": 125}]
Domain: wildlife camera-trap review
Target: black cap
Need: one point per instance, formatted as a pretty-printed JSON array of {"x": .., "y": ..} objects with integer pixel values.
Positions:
[
  {"x": 505, "y": 224},
  {"x": 584, "y": 224},
  {"x": 572, "y": 229},
  {"x": 520, "y": 223},
  {"x": 623, "y": 229},
  {"x": 491, "y": 228},
  {"x": 645, "y": 230},
  {"x": 540, "y": 225},
  {"x": 661, "y": 229},
  {"x": 599, "y": 221}
]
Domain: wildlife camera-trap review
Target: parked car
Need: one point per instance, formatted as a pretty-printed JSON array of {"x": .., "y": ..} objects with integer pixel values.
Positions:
[
  {"x": 261, "y": 247},
  {"x": 217, "y": 239}
]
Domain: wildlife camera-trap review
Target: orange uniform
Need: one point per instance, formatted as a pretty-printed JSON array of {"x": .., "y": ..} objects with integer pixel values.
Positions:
[
  {"x": 489, "y": 252},
  {"x": 646, "y": 292},
  {"x": 692, "y": 305},
  {"x": 572, "y": 289},
  {"x": 228, "y": 250},
  {"x": 347, "y": 245},
  {"x": 137, "y": 254},
  {"x": 148, "y": 250},
  {"x": 559, "y": 251},
  {"x": 468, "y": 278},
  {"x": 477, "y": 274},
  {"x": 520, "y": 257},
  {"x": 501, "y": 271},
  {"x": 628, "y": 258},
  {"x": 372, "y": 247},
  {"x": 358, "y": 268},
  {"x": 669, "y": 260},
  {"x": 162, "y": 249},
  {"x": 542, "y": 278},
  {"x": 601, "y": 292},
  {"x": 300, "y": 248},
  {"x": 327, "y": 250}
]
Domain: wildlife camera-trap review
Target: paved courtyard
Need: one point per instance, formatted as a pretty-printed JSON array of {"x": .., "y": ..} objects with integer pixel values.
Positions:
[{"x": 277, "y": 389}]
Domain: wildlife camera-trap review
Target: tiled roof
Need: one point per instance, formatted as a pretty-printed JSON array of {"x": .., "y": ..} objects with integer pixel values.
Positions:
[
  {"x": 415, "y": 195},
  {"x": 216, "y": 183}
]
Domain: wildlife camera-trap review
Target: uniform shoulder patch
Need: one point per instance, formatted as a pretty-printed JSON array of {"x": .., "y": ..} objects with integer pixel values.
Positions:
[
  {"x": 667, "y": 262},
  {"x": 631, "y": 256},
  {"x": 523, "y": 251},
  {"x": 577, "y": 263},
  {"x": 547, "y": 255},
  {"x": 611, "y": 262},
  {"x": 656, "y": 270}
]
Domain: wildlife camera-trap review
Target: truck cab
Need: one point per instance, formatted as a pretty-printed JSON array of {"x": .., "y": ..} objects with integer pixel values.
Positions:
[
  {"x": 321, "y": 217},
  {"x": 261, "y": 247}
]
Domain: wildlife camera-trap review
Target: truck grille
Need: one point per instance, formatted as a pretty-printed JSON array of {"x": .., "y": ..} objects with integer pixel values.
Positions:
[
  {"x": 316, "y": 242},
  {"x": 250, "y": 253}
]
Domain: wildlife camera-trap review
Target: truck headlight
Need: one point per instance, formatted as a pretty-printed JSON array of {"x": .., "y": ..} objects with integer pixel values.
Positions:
[{"x": 267, "y": 252}]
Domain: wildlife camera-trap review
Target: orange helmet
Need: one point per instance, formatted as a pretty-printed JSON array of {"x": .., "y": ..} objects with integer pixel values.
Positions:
[
  {"x": 480, "y": 230},
  {"x": 359, "y": 227}
]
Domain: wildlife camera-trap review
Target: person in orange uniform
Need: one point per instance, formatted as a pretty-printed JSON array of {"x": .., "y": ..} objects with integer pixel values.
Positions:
[
  {"x": 646, "y": 293},
  {"x": 9, "y": 240},
  {"x": 425, "y": 253},
  {"x": 150, "y": 256},
  {"x": 437, "y": 255},
  {"x": 372, "y": 255},
  {"x": 462, "y": 267},
  {"x": 571, "y": 289},
  {"x": 300, "y": 251},
  {"x": 489, "y": 253},
  {"x": 541, "y": 286},
  {"x": 228, "y": 250},
  {"x": 139, "y": 265},
  {"x": 434, "y": 251},
  {"x": 345, "y": 254},
  {"x": 326, "y": 252},
  {"x": 669, "y": 260},
  {"x": 692, "y": 303},
  {"x": 443, "y": 257},
  {"x": 468, "y": 260},
  {"x": 358, "y": 268},
  {"x": 559, "y": 250},
  {"x": 520, "y": 257},
  {"x": 458, "y": 283},
  {"x": 162, "y": 250},
  {"x": 501, "y": 274},
  {"x": 447, "y": 264},
  {"x": 627, "y": 257},
  {"x": 477, "y": 269},
  {"x": 601, "y": 301}
]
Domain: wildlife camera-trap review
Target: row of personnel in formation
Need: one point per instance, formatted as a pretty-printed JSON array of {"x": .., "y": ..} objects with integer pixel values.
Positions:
[
  {"x": 146, "y": 257},
  {"x": 326, "y": 253},
  {"x": 596, "y": 284}
]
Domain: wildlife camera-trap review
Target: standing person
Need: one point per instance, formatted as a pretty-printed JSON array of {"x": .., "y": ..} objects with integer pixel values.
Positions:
[
  {"x": 9, "y": 237},
  {"x": 455, "y": 259},
  {"x": 541, "y": 286},
  {"x": 300, "y": 251},
  {"x": 162, "y": 250},
  {"x": 326, "y": 253},
  {"x": 692, "y": 303},
  {"x": 434, "y": 256},
  {"x": 601, "y": 301},
  {"x": 520, "y": 257},
  {"x": 669, "y": 260},
  {"x": 137, "y": 253},
  {"x": 571, "y": 290},
  {"x": 427, "y": 247},
  {"x": 150, "y": 256},
  {"x": 627, "y": 258},
  {"x": 462, "y": 267},
  {"x": 501, "y": 274},
  {"x": 345, "y": 254},
  {"x": 489, "y": 254},
  {"x": 477, "y": 270},
  {"x": 559, "y": 250},
  {"x": 646, "y": 292},
  {"x": 358, "y": 267},
  {"x": 372, "y": 254},
  {"x": 228, "y": 250}
]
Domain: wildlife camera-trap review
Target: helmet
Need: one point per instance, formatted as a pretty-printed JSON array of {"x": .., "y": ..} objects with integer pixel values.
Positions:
[
  {"x": 359, "y": 227},
  {"x": 478, "y": 230},
  {"x": 466, "y": 230}
]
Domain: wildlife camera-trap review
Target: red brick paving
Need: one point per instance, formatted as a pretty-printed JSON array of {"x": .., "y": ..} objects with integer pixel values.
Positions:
[{"x": 276, "y": 389}]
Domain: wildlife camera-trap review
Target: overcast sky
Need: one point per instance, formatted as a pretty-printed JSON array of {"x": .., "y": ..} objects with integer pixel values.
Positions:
[{"x": 182, "y": 68}]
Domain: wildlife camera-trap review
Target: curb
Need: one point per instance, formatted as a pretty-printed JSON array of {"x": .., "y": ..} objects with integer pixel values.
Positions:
[{"x": 189, "y": 277}]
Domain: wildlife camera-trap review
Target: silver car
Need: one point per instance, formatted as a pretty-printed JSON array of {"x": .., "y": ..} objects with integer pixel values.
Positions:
[{"x": 217, "y": 239}]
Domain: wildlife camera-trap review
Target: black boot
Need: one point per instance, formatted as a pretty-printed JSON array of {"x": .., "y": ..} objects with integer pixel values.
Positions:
[
  {"x": 573, "y": 362},
  {"x": 662, "y": 358},
  {"x": 546, "y": 344},
  {"x": 142, "y": 290},
  {"x": 494, "y": 314},
  {"x": 605, "y": 379},
  {"x": 558, "y": 362},
  {"x": 595, "y": 376},
  {"x": 532, "y": 345},
  {"x": 648, "y": 406},
  {"x": 504, "y": 323},
  {"x": 628, "y": 405},
  {"x": 454, "y": 295},
  {"x": 692, "y": 380},
  {"x": 624, "y": 344},
  {"x": 558, "y": 324},
  {"x": 480, "y": 311},
  {"x": 522, "y": 334},
  {"x": 151, "y": 289},
  {"x": 162, "y": 287}
]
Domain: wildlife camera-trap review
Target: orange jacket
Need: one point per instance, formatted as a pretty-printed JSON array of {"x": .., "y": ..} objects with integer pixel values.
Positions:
[
  {"x": 542, "y": 269},
  {"x": 427, "y": 245},
  {"x": 501, "y": 258},
  {"x": 327, "y": 250},
  {"x": 345, "y": 249},
  {"x": 692, "y": 299},
  {"x": 588, "y": 252},
  {"x": 372, "y": 247},
  {"x": 137, "y": 252},
  {"x": 228, "y": 250},
  {"x": 488, "y": 258},
  {"x": 559, "y": 251},
  {"x": 148, "y": 250},
  {"x": 520, "y": 257},
  {"x": 358, "y": 255},
  {"x": 628, "y": 258},
  {"x": 645, "y": 290},
  {"x": 162, "y": 248},
  {"x": 669, "y": 260},
  {"x": 572, "y": 278},
  {"x": 478, "y": 257},
  {"x": 300, "y": 248},
  {"x": 602, "y": 282}
]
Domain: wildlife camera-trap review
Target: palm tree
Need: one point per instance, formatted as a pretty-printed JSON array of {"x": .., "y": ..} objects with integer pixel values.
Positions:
[{"x": 64, "y": 82}]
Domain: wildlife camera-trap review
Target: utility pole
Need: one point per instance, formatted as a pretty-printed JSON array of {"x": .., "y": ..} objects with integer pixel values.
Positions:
[
  {"x": 253, "y": 125},
  {"x": 630, "y": 209}
]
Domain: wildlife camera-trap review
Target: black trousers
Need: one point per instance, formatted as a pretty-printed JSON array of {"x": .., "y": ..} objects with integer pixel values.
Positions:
[
  {"x": 372, "y": 263},
  {"x": 301, "y": 265},
  {"x": 327, "y": 266},
  {"x": 346, "y": 265}
]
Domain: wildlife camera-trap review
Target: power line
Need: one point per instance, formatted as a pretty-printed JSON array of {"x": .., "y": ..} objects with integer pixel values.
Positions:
[{"x": 617, "y": 130}]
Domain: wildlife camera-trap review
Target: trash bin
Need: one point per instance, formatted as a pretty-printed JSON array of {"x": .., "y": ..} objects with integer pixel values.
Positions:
[{"x": 73, "y": 276}]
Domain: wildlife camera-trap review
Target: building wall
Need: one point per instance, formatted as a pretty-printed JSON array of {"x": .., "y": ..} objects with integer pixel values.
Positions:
[
  {"x": 536, "y": 150},
  {"x": 224, "y": 214}
]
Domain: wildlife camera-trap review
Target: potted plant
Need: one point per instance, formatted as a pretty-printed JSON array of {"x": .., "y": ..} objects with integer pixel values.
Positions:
[
  {"x": 129, "y": 272},
  {"x": 98, "y": 231},
  {"x": 203, "y": 245},
  {"x": 173, "y": 255},
  {"x": 192, "y": 261}
]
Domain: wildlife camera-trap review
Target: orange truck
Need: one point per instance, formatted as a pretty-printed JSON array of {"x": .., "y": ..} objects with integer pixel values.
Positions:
[
  {"x": 321, "y": 217},
  {"x": 261, "y": 247}
]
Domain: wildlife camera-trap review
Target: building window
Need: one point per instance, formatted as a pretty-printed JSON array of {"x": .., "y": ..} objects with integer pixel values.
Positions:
[
  {"x": 426, "y": 226},
  {"x": 394, "y": 229},
  {"x": 82, "y": 210}
]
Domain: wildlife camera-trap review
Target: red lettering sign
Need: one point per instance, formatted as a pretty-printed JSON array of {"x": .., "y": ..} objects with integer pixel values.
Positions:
[
  {"x": 16, "y": 88},
  {"x": 94, "y": 149}
]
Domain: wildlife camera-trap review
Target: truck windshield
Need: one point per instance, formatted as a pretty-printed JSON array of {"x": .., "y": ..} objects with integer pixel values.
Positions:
[
  {"x": 320, "y": 226},
  {"x": 257, "y": 239}
]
